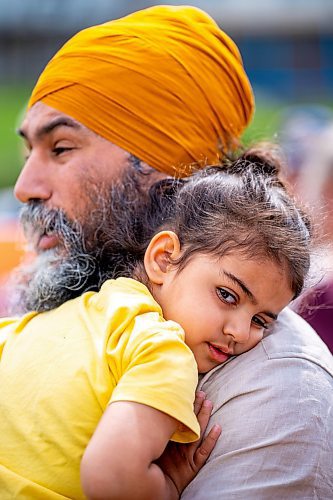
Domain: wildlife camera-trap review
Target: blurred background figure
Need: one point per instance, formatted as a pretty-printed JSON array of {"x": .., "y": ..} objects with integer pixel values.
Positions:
[
  {"x": 307, "y": 138},
  {"x": 12, "y": 249}
]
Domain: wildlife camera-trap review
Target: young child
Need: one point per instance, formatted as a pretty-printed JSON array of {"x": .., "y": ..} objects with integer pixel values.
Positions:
[{"x": 106, "y": 380}]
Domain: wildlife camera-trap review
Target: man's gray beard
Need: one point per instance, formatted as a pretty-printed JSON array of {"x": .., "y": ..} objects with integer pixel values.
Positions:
[
  {"x": 54, "y": 275},
  {"x": 88, "y": 254}
]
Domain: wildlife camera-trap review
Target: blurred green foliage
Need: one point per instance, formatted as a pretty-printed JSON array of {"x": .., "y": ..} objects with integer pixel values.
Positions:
[{"x": 13, "y": 101}]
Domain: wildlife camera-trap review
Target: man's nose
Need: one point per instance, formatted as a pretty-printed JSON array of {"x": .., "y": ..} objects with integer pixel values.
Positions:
[{"x": 33, "y": 182}]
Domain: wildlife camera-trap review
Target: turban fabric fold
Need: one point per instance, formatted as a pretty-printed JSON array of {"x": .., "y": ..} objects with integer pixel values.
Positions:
[{"x": 164, "y": 83}]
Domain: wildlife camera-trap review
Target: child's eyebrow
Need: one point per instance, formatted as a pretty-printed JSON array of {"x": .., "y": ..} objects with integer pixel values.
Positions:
[
  {"x": 242, "y": 285},
  {"x": 248, "y": 292}
]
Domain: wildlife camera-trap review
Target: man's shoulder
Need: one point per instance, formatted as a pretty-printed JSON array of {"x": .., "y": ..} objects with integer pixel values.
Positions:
[
  {"x": 293, "y": 338},
  {"x": 274, "y": 403},
  {"x": 291, "y": 351}
]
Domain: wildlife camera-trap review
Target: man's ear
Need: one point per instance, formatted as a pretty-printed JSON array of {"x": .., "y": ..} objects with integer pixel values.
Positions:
[{"x": 163, "y": 248}]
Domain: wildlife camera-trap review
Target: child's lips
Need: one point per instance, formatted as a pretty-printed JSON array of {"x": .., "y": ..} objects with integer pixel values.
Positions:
[{"x": 219, "y": 354}]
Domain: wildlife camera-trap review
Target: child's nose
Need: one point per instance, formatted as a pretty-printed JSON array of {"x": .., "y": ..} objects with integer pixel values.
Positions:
[{"x": 238, "y": 328}]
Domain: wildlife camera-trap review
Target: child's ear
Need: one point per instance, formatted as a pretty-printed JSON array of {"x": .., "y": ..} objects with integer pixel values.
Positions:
[{"x": 163, "y": 248}]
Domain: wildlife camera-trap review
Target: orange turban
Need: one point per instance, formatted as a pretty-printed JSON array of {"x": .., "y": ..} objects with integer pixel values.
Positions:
[{"x": 164, "y": 83}]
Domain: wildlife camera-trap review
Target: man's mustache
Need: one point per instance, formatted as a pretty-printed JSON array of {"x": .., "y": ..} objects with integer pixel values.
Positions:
[
  {"x": 37, "y": 220},
  {"x": 35, "y": 216}
]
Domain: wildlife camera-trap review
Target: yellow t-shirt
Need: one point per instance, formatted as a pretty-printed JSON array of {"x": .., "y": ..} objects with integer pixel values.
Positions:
[{"x": 60, "y": 369}]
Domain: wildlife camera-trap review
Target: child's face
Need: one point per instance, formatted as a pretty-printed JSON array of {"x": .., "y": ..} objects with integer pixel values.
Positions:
[{"x": 224, "y": 305}]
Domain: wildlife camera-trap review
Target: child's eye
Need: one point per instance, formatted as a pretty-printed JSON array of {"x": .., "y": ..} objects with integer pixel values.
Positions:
[
  {"x": 226, "y": 296},
  {"x": 260, "y": 322}
]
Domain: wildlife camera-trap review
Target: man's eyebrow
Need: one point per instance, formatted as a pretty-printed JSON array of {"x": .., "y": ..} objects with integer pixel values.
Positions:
[
  {"x": 61, "y": 121},
  {"x": 248, "y": 292}
]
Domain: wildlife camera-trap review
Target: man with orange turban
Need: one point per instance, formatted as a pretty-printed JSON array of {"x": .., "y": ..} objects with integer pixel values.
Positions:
[
  {"x": 162, "y": 92},
  {"x": 163, "y": 89}
]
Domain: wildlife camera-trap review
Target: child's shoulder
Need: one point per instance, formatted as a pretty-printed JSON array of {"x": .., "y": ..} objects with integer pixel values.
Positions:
[{"x": 125, "y": 293}]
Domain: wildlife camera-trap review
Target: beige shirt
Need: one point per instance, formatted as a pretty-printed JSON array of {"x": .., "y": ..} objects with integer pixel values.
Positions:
[{"x": 275, "y": 405}]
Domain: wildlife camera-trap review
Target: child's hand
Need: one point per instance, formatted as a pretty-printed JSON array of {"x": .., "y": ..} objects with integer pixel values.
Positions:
[{"x": 180, "y": 463}]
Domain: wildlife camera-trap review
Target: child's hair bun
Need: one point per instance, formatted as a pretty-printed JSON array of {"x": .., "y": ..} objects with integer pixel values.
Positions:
[{"x": 263, "y": 159}]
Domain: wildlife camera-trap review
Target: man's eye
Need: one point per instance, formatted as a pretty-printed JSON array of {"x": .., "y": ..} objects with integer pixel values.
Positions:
[
  {"x": 260, "y": 322},
  {"x": 226, "y": 296},
  {"x": 59, "y": 150}
]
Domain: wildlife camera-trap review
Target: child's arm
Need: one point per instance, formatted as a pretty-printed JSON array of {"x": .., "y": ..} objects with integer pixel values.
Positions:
[
  {"x": 119, "y": 460},
  {"x": 182, "y": 462}
]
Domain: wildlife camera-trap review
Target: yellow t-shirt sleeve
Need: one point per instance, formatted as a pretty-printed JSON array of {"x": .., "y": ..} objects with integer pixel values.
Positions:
[
  {"x": 157, "y": 369},
  {"x": 5, "y": 324},
  {"x": 8, "y": 325}
]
